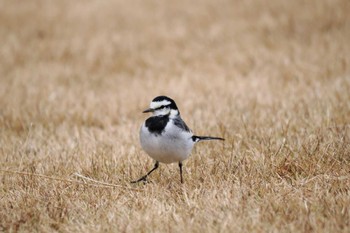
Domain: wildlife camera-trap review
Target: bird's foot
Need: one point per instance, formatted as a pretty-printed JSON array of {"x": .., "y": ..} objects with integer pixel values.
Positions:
[{"x": 144, "y": 179}]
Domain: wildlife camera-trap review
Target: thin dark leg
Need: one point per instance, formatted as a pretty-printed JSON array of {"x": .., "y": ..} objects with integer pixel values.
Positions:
[
  {"x": 144, "y": 178},
  {"x": 180, "y": 166}
]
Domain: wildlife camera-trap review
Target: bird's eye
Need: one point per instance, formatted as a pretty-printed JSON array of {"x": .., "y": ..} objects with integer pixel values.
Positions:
[{"x": 162, "y": 107}]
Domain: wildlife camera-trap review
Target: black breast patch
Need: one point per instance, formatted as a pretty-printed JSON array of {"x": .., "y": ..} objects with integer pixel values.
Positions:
[{"x": 156, "y": 124}]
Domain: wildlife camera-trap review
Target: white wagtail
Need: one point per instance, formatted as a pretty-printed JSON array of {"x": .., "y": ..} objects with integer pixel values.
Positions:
[{"x": 165, "y": 136}]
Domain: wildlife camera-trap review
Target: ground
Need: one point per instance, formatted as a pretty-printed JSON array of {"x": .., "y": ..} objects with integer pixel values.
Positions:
[{"x": 271, "y": 77}]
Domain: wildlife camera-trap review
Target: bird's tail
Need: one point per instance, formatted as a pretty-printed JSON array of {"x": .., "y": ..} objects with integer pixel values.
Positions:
[{"x": 201, "y": 138}]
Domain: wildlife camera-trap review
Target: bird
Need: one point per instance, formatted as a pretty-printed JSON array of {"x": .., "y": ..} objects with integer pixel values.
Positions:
[{"x": 165, "y": 137}]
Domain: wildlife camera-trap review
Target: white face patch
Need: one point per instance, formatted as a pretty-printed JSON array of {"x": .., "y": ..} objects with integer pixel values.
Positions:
[
  {"x": 173, "y": 113},
  {"x": 162, "y": 112},
  {"x": 157, "y": 104}
]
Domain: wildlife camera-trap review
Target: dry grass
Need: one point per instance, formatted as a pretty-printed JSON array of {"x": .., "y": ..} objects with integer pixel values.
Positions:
[{"x": 272, "y": 77}]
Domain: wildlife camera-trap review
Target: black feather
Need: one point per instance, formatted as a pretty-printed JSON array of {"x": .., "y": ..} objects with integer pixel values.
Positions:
[
  {"x": 200, "y": 138},
  {"x": 181, "y": 124},
  {"x": 156, "y": 124}
]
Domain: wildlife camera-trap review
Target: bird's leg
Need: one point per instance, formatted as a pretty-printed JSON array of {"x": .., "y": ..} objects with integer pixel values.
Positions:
[
  {"x": 144, "y": 178},
  {"x": 180, "y": 166}
]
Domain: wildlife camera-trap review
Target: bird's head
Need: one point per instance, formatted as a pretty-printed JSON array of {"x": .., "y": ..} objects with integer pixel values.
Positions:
[{"x": 163, "y": 105}]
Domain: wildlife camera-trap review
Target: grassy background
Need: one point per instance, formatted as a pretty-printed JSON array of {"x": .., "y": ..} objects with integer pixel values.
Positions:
[{"x": 272, "y": 77}]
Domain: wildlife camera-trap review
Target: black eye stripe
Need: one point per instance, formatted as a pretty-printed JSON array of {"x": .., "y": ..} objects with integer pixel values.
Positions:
[{"x": 163, "y": 106}]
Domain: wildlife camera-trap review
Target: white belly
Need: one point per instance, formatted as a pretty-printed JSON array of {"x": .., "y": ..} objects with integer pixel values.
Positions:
[{"x": 171, "y": 146}]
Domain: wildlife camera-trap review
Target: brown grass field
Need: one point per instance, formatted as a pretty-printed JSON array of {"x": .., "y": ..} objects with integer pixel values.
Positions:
[{"x": 272, "y": 77}]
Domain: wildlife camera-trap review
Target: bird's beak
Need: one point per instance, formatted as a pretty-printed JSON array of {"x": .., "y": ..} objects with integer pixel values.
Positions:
[{"x": 148, "y": 110}]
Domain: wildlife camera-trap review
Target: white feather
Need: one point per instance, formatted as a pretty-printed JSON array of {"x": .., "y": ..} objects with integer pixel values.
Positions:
[{"x": 173, "y": 145}]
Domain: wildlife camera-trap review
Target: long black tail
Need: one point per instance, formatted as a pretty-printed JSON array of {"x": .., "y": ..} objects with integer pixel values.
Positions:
[{"x": 201, "y": 138}]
